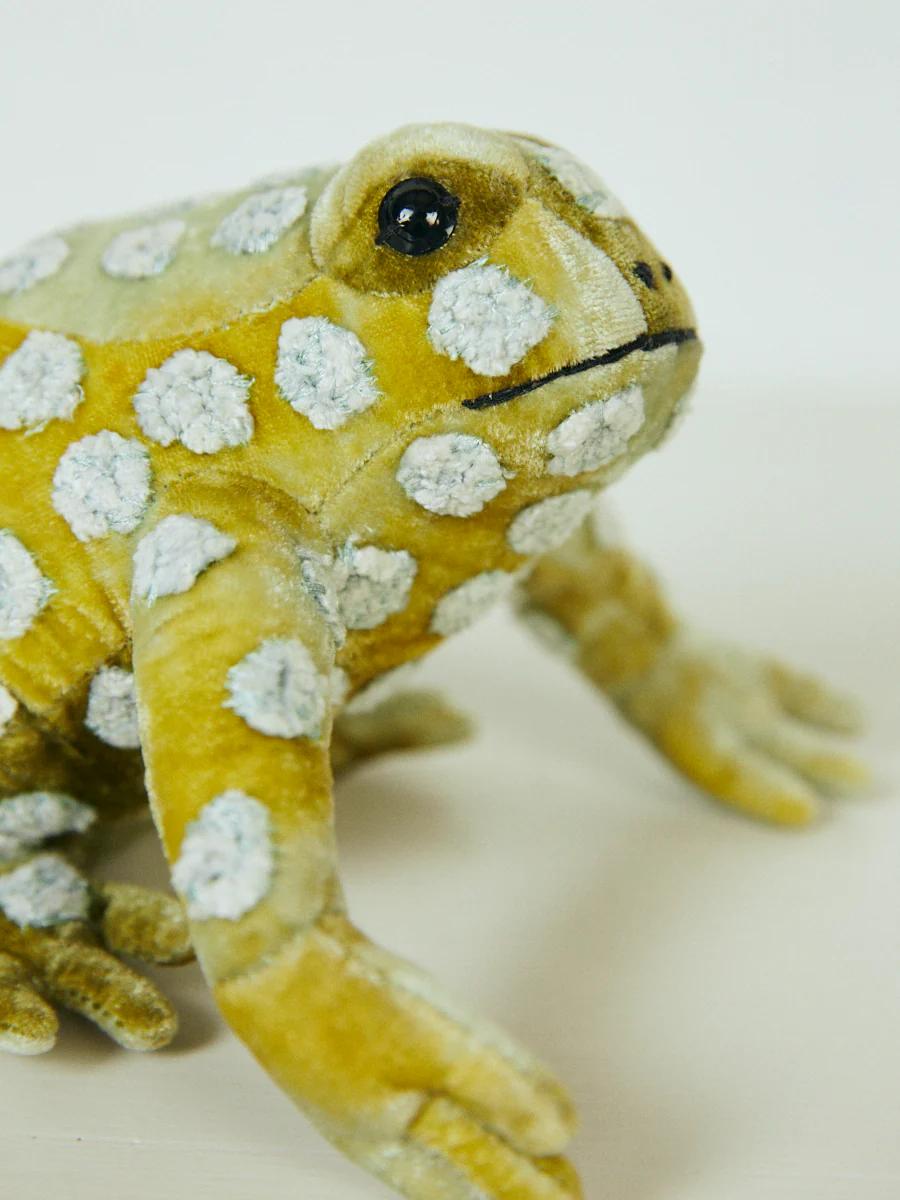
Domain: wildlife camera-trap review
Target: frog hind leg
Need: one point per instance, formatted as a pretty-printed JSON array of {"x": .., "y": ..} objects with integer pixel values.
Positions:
[
  {"x": 416, "y": 720},
  {"x": 61, "y": 935}
]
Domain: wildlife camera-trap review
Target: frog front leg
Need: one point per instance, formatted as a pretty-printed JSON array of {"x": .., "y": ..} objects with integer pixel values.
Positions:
[
  {"x": 232, "y": 661},
  {"x": 748, "y": 730}
]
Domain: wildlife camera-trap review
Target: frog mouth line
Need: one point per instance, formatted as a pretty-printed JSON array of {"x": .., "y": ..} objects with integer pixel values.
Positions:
[{"x": 646, "y": 342}]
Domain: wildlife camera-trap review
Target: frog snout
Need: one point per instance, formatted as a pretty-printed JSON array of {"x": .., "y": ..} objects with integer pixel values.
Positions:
[{"x": 652, "y": 274}]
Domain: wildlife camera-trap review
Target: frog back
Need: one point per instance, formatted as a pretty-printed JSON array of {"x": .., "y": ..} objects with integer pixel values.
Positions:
[{"x": 192, "y": 266}]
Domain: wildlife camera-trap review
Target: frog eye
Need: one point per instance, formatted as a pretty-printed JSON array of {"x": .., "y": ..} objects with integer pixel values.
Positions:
[{"x": 417, "y": 216}]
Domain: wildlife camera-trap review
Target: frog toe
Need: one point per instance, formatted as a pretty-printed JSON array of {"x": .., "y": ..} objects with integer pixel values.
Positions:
[
  {"x": 408, "y": 721},
  {"x": 447, "y": 1151},
  {"x": 144, "y": 924},
  {"x": 828, "y": 769},
  {"x": 808, "y": 699},
  {"x": 28, "y": 1024},
  {"x": 730, "y": 768},
  {"x": 90, "y": 981}
]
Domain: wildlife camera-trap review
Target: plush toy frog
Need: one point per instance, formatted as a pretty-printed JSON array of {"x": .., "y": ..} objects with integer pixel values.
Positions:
[{"x": 258, "y": 455}]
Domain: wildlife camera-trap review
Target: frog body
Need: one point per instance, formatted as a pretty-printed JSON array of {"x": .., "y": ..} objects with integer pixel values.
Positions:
[{"x": 258, "y": 455}]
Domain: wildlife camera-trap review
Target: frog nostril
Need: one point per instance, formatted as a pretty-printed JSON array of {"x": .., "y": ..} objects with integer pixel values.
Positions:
[
  {"x": 667, "y": 271},
  {"x": 644, "y": 273}
]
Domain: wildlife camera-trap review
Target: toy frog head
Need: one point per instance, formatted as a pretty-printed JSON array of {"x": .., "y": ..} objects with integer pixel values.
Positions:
[{"x": 524, "y": 341}]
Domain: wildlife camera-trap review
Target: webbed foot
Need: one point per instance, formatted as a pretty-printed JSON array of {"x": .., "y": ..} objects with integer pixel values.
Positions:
[
  {"x": 434, "y": 1101},
  {"x": 61, "y": 939},
  {"x": 407, "y": 721},
  {"x": 750, "y": 731}
]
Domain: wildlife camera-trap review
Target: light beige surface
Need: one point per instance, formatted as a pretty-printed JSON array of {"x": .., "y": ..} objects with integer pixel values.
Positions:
[{"x": 723, "y": 998}]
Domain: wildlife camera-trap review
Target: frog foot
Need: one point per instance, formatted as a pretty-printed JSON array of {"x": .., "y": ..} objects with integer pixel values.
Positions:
[
  {"x": 61, "y": 942},
  {"x": 748, "y": 730},
  {"x": 415, "y": 720}
]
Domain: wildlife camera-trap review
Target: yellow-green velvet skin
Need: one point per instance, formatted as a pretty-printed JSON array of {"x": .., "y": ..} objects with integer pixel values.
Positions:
[{"x": 435, "y": 1102}]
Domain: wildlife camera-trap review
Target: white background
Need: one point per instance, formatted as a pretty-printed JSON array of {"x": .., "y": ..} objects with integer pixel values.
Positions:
[{"x": 722, "y": 998}]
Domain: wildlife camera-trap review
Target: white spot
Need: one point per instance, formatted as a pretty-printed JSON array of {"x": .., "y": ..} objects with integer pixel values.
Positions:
[
  {"x": 381, "y": 688},
  {"x": 260, "y": 220},
  {"x": 277, "y": 689},
  {"x": 453, "y": 474},
  {"x": 34, "y": 262},
  {"x": 584, "y": 184},
  {"x": 143, "y": 252},
  {"x": 465, "y": 604},
  {"x": 372, "y": 584},
  {"x": 170, "y": 558},
  {"x": 40, "y": 381},
  {"x": 102, "y": 485},
  {"x": 10, "y": 848},
  {"x": 112, "y": 709},
  {"x": 317, "y": 574},
  {"x": 45, "y": 891},
  {"x": 488, "y": 318},
  {"x": 547, "y": 524},
  {"x": 359, "y": 587},
  {"x": 226, "y": 861},
  {"x": 196, "y": 399},
  {"x": 23, "y": 589},
  {"x": 339, "y": 686},
  {"x": 33, "y": 816},
  {"x": 8, "y": 706},
  {"x": 596, "y": 434},
  {"x": 323, "y": 372}
]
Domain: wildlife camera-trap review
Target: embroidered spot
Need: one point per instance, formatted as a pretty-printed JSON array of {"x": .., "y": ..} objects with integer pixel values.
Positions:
[
  {"x": 112, "y": 709},
  {"x": 453, "y": 474},
  {"x": 40, "y": 381},
  {"x": 260, "y": 220},
  {"x": 31, "y": 817},
  {"x": 465, "y": 604},
  {"x": 102, "y": 485},
  {"x": 486, "y": 317},
  {"x": 45, "y": 891},
  {"x": 10, "y": 849},
  {"x": 143, "y": 252},
  {"x": 547, "y": 524},
  {"x": 317, "y": 575},
  {"x": 196, "y": 399},
  {"x": 23, "y": 589},
  {"x": 8, "y": 706},
  {"x": 596, "y": 434},
  {"x": 372, "y": 584},
  {"x": 34, "y": 262},
  {"x": 226, "y": 862},
  {"x": 339, "y": 686},
  {"x": 169, "y": 560},
  {"x": 323, "y": 372},
  {"x": 277, "y": 690},
  {"x": 584, "y": 184},
  {"x": 381, "y": 688}
]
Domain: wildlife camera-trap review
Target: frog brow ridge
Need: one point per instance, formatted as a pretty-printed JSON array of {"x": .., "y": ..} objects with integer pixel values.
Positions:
[{"x": 646, "y": 342}]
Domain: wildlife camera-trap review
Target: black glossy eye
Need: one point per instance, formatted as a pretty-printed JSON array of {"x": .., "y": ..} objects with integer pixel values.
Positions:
[{"x": 416, "y": 217}]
